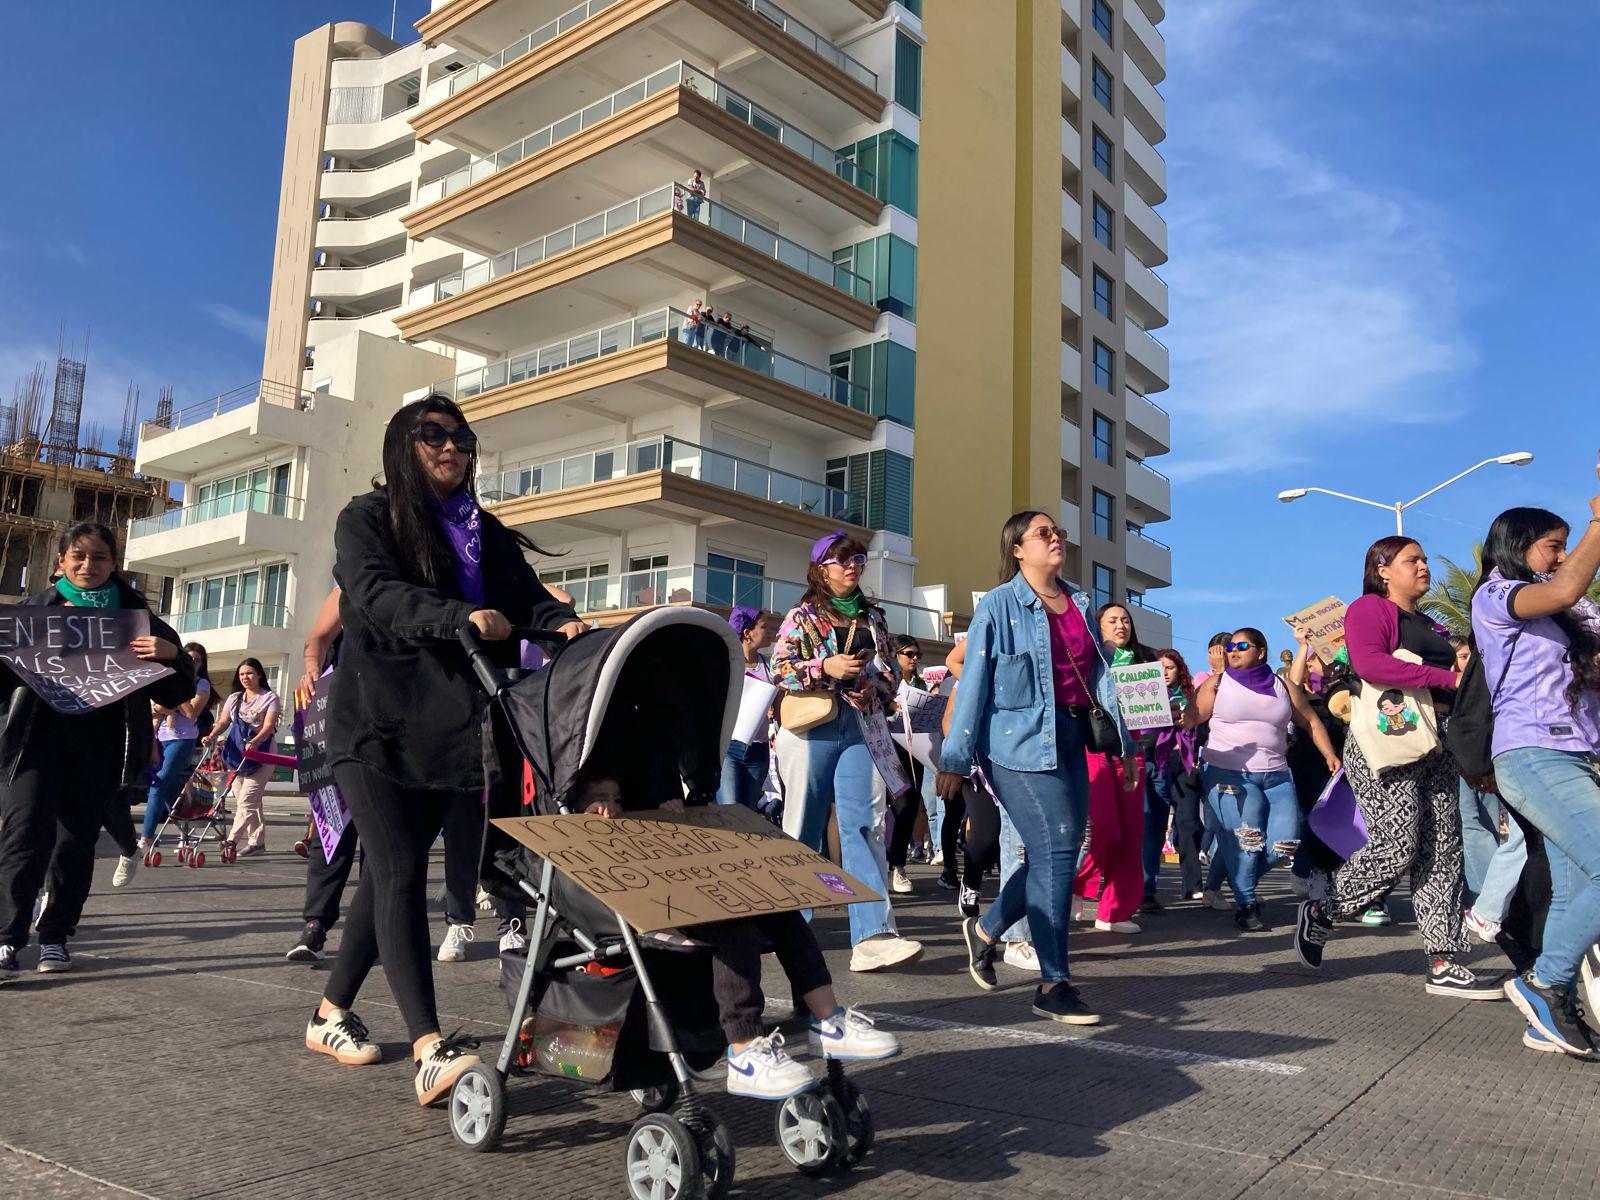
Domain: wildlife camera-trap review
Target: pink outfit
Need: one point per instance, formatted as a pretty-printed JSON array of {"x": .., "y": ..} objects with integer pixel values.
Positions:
[
  {"x": 1112, "y": 867},
  {"x": 1249, "y": 732},
  {"x": 1069, "y": 636}
]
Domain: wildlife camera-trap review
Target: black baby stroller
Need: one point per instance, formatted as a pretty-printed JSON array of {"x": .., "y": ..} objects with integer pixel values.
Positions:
[{"x": 650, "y": 704}]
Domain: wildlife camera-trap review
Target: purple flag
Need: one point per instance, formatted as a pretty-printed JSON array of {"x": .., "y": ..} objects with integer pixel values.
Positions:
[{"x": 1337, "y": 820}]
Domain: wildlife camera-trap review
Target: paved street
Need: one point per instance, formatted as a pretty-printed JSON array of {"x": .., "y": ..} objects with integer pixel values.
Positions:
[{"x": 169, "y": 1064}]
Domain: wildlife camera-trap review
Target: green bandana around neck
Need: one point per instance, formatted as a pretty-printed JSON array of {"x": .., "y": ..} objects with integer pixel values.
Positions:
[
  {"x": 851, "y": 606},
  {"x": 1122, "y": 657},
  {"x": 105, "y": 596}
]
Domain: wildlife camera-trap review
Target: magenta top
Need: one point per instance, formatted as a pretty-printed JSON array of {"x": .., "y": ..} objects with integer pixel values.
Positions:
[
  {"x": 1372, "y": 635},
  {"x": 1069, "y": 636},
  {"x": 1249, "y": 731}
]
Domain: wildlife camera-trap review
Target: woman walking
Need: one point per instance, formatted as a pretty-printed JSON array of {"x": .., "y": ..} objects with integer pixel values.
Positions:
[
  {"x": 249, "y": 720},
  {"x": 1171, "y": 792},
  {"x": 1540, "y": 641},
  {"x": 58, "y": 772},
  {"x": 744, "y": 766},
  {"x": 1411, "y": 812},
  {"x": 1034, "y": 668},
  {"x": 177, "y": 735},
  {"x": 1246, "y": 778},
  {"x": 417, "y": 562},
  {"x": 834, "y": 648}
]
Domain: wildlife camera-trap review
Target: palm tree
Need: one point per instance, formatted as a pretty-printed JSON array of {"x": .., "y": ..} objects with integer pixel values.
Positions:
[{"x": 1449, "y": 600}]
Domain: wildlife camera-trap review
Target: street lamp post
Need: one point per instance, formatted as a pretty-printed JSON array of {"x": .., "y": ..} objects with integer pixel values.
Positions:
[{"x": 1520, "y": 459}]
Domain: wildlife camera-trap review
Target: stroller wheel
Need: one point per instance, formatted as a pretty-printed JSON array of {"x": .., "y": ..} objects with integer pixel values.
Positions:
[
  {"x": 858, "y": 1123},
  {"x": 478, "y": 1108},
  {"x": 197, "y": 859},
  {"x": 811, "y": 1131},
  {"x": 661, "y": 1159},
  {"x": 716, "y": 1155},
  {"x": 183, "y": 853},
  {"x": 155, "y": 858},
  {"x": 656, "y": 1099}
]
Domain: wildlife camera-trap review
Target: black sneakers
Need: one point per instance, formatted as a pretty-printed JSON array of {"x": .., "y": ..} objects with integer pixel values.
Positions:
[
  {"x": 948, "y": 880},
  {"x": 1311, "y": 932},
  {"x": 1554, "y": 1012},
  {"x": 53, "y": 958},
  {"x": 1449, "y": 978},
  {"x": 1248, "y": 918},
  {"x": 980, "y": 956},
  {"x": 968, "y": 901},
  {"x": 1061, "y": 1002},
  {"x": 1150, "y": 907},
  {"x": 309, "y": 947},
  {"x": 8, "y": 964}
]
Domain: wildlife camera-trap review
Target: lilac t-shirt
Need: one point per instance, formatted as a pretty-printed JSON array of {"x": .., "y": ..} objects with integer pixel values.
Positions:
[
  {"x": 1531, "y": 708},
  {"x": 179, "y": 728}
]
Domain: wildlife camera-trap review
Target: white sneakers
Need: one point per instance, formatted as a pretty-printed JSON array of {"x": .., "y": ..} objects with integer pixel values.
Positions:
[
  {"x": 850, "y": 1035},
  {"x": 899, "y": 883},
  {"x": 513, "y": 940},
  {"x": 343, "y": 1037},
  {"x": 883, "y": 950},
  {"x": 763, "y": 1070},
  {"x": 442, "y": 1065},
  {"x": 1481, "y": 928},
  {"x": 454, "y": 946},
  {"x": 126, "y": 866},
  {"x": 1022, "y": 956},
  {"x": 1118, "y": 927}
]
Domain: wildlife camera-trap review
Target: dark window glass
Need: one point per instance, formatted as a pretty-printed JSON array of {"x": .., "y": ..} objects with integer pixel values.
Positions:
[
  {"x": 1105, "y": 585},
  {"x": 1101, "y": 14},
  {"x": 1105, "y": 366},
  {"x": 1103, "y": 217},
  {"x": 1104, "y": 294},
  {"x": 1103, "y": 433},
  {"x": 907, "y": 73},
  {"x": 1104, "y": 515},
  {"x": 1102, "y": 155},
  {"x": 1103, "y": 84}
]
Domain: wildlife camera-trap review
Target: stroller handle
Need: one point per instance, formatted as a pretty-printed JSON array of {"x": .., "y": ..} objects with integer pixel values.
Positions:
[{"x": 488, "y": 674}]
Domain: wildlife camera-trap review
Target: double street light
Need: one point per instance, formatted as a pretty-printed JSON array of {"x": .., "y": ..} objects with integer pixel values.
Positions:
[{"x": 1520, "y": 459}]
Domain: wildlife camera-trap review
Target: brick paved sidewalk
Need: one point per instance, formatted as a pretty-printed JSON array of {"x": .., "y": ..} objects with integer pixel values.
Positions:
[{"x": 169, "y": 1064}]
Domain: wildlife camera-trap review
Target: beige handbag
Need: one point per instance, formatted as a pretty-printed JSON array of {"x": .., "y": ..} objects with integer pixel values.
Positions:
[
  {"x": 1394, "y": 727},
  {"x": 800, "y": 711}
]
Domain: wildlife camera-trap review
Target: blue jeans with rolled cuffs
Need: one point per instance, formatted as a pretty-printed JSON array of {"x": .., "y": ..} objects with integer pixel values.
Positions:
[
  {"x": 1259, "y": 815},
  {"x": 1048, "y": 810},
  {"x": 829, "y": 768},
  {"x": 744, "y": 774}
]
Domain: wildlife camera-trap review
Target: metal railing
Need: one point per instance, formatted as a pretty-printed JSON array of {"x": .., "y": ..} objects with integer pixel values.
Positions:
[
  {"x": 1141, "y": 463},
  {"x": 672, "y": 324},
  {"x": 1147, "y": 400},
  {"x": 813, "y": 41},
  {"x": 271, "y": 616},
  {"x": 259, "y": 500},
  {"x": 675, "y": 197},
  {"x": 1141, "y": 603},
  {"x": 672, "y": 456},
  {"x": 266, "y": 390},
  {"x": 679, "y": 74},
  {"x": 1138, "y": 532},
  {"x": 377, "y": 312}
]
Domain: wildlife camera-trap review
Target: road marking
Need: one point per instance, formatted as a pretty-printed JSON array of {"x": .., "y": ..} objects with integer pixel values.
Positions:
[
  {"x": 61, "y": 1166},
  {"x": 1192, "y": 1058}
]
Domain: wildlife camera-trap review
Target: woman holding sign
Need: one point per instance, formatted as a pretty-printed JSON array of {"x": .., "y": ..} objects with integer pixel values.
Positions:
[
  {"x": 1035, "y": 695},
  {"x": 744, "y": 766},
  {"x": 417, "y": 562},
  {"x": 57, "y": 769}
]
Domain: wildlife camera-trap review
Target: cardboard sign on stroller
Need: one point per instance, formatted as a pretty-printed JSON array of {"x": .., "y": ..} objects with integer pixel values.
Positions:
[{"x": 660, "y": 870}]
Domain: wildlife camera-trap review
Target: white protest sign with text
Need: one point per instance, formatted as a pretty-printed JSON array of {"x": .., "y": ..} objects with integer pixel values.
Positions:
[{"x": 1142, "y": 696}]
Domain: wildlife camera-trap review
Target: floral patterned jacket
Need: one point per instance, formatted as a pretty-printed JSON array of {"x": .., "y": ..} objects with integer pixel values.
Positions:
[{"x": 807, "y": 637}]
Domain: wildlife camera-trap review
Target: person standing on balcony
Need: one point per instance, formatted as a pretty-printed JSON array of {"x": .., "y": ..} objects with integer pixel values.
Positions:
[
  {"x": 694, "y": 189},
  {"x": 418, "y": 563},
  {"x": 249, "y": 720},
  {"x": 57, "y": 772},
  {"x": 694, "y": 327},
  {"x": 834, "y": 647}
]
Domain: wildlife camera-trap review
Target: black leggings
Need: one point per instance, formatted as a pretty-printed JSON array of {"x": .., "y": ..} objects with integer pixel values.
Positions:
[
  {"x": 389, "y": 915},
  {"x": 983, "y": 834},
  {"x": 906, "y": 806}
]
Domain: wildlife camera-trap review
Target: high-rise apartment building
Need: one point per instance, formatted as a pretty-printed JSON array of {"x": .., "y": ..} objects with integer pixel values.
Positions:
[{"x": 1035, "y": 375}]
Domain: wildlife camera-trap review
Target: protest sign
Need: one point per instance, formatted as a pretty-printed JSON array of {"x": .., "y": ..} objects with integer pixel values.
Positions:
[
  {"x": 660, "y": 869},
  {"x": 1324, "y": 626},
  {"x": 77, "y": 659},
  {"x": 313, "y": 771},
  {"x": 1142, "y": 696},
  {"x": 918, "y": 727},
  {"x": 754, "y": 706},
  {"x": 875, "y": 731}
]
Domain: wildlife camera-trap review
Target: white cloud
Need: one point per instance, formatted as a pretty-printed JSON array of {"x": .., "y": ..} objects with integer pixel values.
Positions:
[{"x": 239, "y": 321}]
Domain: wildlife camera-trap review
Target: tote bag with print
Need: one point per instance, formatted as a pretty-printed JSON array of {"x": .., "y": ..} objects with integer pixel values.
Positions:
[{"x": 1394, "y": 727}]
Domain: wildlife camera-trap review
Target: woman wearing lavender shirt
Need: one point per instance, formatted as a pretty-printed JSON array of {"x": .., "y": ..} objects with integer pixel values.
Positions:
[{"x": 1540, "y": 637}]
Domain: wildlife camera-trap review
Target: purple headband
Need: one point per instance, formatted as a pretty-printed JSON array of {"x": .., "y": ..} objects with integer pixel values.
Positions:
[
  {"x": 744, "y": 619},
  {"x": 820, "y": 548}
]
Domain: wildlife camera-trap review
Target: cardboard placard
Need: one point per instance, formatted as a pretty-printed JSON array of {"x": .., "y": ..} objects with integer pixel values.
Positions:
[
  {"x": 660, "y": 870},
  {"x": 1142, "y": 696},
  {"x": 77, "y": 659},
  {"x": 314, "y": 774},
  {"x": 1324, "y": 626}
]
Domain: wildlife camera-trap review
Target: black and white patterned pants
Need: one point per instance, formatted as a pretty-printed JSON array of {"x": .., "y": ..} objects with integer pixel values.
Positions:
[{"x": 1413, "y": 828}]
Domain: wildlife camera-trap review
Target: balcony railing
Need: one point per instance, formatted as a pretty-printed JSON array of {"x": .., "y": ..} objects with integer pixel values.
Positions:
[
  {"x": 274, "y": 503},
  {"x": 700, "y": 584},
  {"x": 675, "y": 457},
  {"x": 679, "y": 74},
  {"x": 641, "y": 208},
  {"x": 1141, "y": 603},
  {"x": 1139, "y": 462},
  {"x": 1138, "y": 532},
  {"x": 670, "y": 323},
  {"x": 813, "y": 41},
  {"x": 270, "y": 616},
  {"x": 262, "y": 389},
  {"x": 1136, "y": 392}
]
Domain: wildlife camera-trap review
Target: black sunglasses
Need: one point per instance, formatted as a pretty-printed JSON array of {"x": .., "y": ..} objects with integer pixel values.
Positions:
[
  {"x": 435, "y": 435},
  {"x": 1238, "y": 646}
]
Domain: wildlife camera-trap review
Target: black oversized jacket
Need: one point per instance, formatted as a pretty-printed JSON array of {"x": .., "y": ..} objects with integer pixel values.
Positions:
[
  {"x": 19, "y": 704},
  {"x": 405, "y": 701}
]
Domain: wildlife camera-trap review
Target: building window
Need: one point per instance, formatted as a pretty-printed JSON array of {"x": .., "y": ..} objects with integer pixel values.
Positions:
[
  {"x": 1101, "y": 15},
  {"x": 888, "y": 372},
  {"x": 889, "y": 265},
  {"x": 255, "y": 597},
  {"x": 878, "y": 487},
  {"x": 1105, "y": 366},
  {"x": 1104, "y": 515},
  {"x": 731, "y": 581},
  {"x": 1101, "y": 80},
  {"x": 585, "y": 583},
  {"x": 1103, "y": 432},
  {"x": 1102, "y": 155},
  {"x": 1103, "y": 216},
  {"x": 907, "y": 73},
  {"x": 1105, "y": 586},
  {"x": 890, "y": 160},
  {"x": 263, "y": 490},
  {"x": 1104, "y": 294}
]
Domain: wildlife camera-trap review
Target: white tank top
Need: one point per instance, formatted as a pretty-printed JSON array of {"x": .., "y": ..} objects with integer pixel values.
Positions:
[{"x": 1249, "y": 731}]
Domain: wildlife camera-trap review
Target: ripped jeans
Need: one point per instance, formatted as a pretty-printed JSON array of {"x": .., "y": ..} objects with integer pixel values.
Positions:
[{"x": 1258, "y": 823}]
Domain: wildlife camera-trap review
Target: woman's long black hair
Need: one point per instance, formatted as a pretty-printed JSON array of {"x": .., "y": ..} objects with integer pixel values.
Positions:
[
  {"x": 203, "y": 671},
  {"x": 261, "y": 673},
  {"x": 94, "y": 529},
  {"x": 416, "y": 529},
  {"x": 1141, "y": 652},
  {"x": 1505, "y": 549}
]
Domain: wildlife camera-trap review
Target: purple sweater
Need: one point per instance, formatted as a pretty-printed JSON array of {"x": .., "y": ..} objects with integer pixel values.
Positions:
[{"x": 1372, "y": 633}]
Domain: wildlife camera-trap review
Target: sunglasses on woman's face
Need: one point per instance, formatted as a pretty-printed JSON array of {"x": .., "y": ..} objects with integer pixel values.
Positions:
[
  {"x": 435, "y": 435},
  {"x": 1048, "y": 533},
  {"x": 911, "y": 654},
  {"x": 1239, "y": 647},
  {"x": 855, "y": 560}
]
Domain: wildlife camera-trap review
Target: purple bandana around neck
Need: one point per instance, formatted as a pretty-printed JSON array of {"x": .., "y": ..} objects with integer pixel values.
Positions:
[
  {"x": 459, "y": 518},
  {"x": 1259, "y": 678}
]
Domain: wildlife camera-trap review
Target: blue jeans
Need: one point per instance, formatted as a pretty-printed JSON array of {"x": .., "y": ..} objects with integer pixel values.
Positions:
[
  {"x": 176, "y": 758},
  {"x": 1011, "y": 857},
  {"x": 1558, "y": 791},
  {"x": 744, "y": 774},
  {"x": 1480, "y": 836},
  {"x": 1048, "y": 809},
  {"x": 1504, "y": 870},
  {"x": 829, "y": 767},
  {"x": 1259, "y": 815},
  {"x": 933, "y": 806}
]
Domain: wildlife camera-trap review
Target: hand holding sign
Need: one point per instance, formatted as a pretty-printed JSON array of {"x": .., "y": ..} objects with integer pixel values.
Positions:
[{"x": 1142, "y": 696}]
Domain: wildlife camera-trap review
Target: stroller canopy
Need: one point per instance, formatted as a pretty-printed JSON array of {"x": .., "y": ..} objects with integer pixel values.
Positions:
[{"x": 651, "y": 704}]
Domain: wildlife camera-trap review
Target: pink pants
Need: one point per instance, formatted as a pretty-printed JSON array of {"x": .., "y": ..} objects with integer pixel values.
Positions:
[{"x": 1112, "y": 867}]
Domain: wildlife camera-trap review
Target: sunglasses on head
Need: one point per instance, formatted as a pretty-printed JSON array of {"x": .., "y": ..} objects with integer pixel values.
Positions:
[
  {"x": 855, "y": 560},
  {"x": 1238, "y": 646},
  {"x": 435, "y": 435}
]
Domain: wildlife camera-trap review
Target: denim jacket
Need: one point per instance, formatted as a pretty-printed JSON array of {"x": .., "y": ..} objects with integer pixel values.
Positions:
[{"x": 1005, "y": 703}]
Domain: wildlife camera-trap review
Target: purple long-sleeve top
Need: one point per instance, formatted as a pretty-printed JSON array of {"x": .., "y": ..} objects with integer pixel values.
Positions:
[{"x": 1372, "y": 634}]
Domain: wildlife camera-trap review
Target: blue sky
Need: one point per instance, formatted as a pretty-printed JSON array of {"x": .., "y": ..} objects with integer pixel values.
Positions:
[{"x": 1383, "y": 254}]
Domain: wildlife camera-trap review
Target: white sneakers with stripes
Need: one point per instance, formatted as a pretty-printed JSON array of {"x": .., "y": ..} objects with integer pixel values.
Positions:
[{"x": 343, "y": 1037}]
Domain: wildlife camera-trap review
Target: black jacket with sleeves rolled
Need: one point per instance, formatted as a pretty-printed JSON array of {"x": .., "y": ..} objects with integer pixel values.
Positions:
[{"x": 404, "y": 700}]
